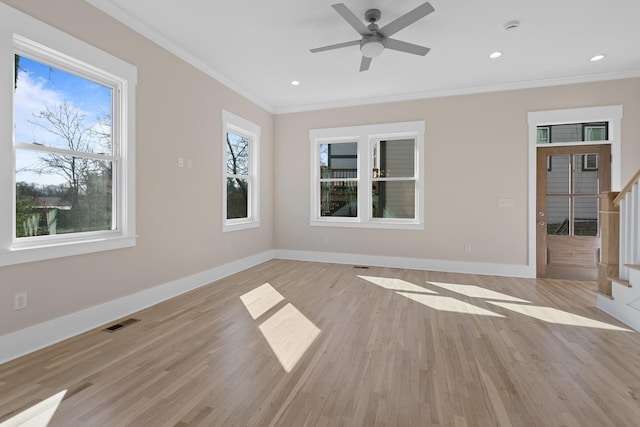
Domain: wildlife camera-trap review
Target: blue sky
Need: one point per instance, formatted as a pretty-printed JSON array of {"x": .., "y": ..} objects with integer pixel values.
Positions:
[{"x": 40, "y": 86}]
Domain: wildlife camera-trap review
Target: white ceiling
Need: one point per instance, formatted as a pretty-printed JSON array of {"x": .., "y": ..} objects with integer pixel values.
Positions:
[{"x": 257, "y": 47}]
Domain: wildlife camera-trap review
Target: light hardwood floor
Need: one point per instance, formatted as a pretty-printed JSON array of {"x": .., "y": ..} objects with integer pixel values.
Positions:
[{"x": 378, "y": 346}]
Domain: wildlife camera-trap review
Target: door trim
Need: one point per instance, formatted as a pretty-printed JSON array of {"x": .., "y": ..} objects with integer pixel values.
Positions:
[{"x": 611, "y": 114}]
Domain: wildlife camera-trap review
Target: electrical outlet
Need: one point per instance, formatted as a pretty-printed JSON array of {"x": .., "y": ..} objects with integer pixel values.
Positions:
[
  {"x": 19, "y": 301},
  {"x": 467, "y": 248},
  {"x": 180, "y": 162}
]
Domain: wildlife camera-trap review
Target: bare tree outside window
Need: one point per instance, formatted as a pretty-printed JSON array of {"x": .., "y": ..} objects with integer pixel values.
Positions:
[
  {"x": 64, "y": 175},
  {"x": 237, "y": 176}
]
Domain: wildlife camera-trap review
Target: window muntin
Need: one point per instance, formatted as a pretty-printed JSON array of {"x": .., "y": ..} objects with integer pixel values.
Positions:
[
  {"x": 240, "y": 180},
  {"x": 368, "y": 176},
  {"x": 110, "y": 174}
]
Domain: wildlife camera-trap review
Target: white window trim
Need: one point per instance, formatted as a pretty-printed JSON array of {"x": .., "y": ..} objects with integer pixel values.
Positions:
[
  {"x": 611, "y": 114},
  {"x": 365, "y": 136},
  {"x": 19, "y": 31},
  {"x": 240, "y": 126}
]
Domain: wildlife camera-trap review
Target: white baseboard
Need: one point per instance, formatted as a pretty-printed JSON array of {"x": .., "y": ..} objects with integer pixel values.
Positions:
[
  {"x": 511, "y": 270},
  {"x": 24, "y": 341}
]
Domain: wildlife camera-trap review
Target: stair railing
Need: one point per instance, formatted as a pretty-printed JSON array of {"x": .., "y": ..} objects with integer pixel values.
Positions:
[{"x": 628, "y": 202}]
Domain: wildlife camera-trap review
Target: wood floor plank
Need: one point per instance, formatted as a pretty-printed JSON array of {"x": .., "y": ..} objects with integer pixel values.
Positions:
[{"x": 396, "y": 347}]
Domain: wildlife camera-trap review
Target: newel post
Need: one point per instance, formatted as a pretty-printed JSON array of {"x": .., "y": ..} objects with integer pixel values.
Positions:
[{"x": 609, "y": 242}]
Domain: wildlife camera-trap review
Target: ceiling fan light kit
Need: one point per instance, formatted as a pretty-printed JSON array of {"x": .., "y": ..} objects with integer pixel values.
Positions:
[{"x": 374, "y": 39}]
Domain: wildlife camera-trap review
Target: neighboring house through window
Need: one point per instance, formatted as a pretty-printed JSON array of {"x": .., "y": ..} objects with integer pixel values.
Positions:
[
  {"x": 240, "y": 189},
  {"x": 67, "y": 145},
  {"x": 368, "y": 176}
]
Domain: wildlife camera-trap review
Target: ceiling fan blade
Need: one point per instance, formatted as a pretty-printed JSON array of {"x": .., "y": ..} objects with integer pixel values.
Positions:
[
  {"x": 406, "y": 47},
  {"x": 351, "y": 19},
  {"x": 335, "y": 46},
  {"x": 406, "y": 19},
  {"x": 365, "y": 63}
]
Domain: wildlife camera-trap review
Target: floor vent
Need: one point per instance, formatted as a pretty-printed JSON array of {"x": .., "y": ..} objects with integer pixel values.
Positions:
[
  {"x": 120, "y": 325},
  {"x": 363, "y": 267}
]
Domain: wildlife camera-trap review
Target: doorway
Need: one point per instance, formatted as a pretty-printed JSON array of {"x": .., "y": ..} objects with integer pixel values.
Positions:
[{"x": 569, "y": 180}]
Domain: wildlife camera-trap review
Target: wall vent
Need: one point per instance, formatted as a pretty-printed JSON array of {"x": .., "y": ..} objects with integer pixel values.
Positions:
[
  {"x": 120, "y": 325},
  {"x": 363, "y": 267}
]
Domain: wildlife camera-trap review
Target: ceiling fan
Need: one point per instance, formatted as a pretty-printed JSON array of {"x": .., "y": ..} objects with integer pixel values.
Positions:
[{"x": 374, "y": 39}]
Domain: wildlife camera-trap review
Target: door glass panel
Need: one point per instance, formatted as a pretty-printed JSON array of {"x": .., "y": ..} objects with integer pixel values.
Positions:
[
  {"x": 558, "y": 174},
  {"x": 558, "y": 215},
  {"x": 586, "y": 216},
  {"x": 586, "y": 174}
]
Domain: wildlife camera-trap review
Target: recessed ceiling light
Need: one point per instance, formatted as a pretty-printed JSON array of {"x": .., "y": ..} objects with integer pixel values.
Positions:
[
  {"x": 596, "y": 58},
  {"x": 295, "y": 83},
  {"x": 495, "y": 55}
]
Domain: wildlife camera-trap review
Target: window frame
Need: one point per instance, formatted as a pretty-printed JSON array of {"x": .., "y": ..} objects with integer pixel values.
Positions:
[
  {"x": 247, "y": 129},
  {"x": 365, "y": 137},
  {"x": 22, "y": 34}
]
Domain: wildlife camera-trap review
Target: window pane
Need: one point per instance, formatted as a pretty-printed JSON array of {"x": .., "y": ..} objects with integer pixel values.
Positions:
[
  {"x": 394, "y": 158},
  {"x": 595, "y": 133},
  {"x": 585, "y": 178},
  {"x": 237, "y": 154},
  {"x": 586, "y": 216},
  {"x": 58, "y": 194},
  {"x": 558, "y": 215},
  {"x": 339, "y": 160},
  {"x": 558, "y": 174},
  {"x": 237, "y": 200},
  {"x": 339, "y": 198},
  {"x": 394, "y": 199},
  {"x": 542, "y": 135},
  {"x": 58, "y": 109}
]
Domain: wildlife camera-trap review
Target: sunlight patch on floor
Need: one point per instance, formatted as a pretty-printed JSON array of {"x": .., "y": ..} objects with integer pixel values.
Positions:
[
  {"x": 396, "y": 284},
  {"x": 553, "y": 315},
  {"x": 448, "y": 304},
  {"x": 477, "y": 292},
  {"x": 39, "y": 415},
  {"x": 289, "y": 334},
  {"x": 261, "y": 299}
]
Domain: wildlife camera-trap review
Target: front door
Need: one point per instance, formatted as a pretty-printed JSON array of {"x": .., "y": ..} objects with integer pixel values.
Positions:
[{"x": 569, "y": 180}]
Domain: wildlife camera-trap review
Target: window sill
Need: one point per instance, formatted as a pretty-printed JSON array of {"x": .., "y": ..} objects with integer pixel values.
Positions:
[
  {"x": 236, "y": 226},
  {"x": 31, "y": 253},
  {"x": 395, "y": 225}
]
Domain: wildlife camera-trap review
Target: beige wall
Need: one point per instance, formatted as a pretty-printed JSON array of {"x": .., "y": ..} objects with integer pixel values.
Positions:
[
  {"x": 475, "y": 152},
  {"x": 179, "y": 218}
]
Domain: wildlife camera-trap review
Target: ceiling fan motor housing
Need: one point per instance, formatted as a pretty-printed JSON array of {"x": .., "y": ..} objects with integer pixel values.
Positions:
[{"x": 372, "y": 45}]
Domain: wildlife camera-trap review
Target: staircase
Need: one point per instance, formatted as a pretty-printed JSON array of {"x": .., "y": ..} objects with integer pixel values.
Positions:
[{"x": 619, "y": 269}]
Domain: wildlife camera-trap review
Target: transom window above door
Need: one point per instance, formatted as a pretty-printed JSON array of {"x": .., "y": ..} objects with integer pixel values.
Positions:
[{"x": 572, "y": 132}]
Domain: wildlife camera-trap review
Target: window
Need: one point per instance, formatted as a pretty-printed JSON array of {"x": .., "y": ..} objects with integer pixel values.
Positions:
[
  {"x": 543, "y": 134},
  {"x": 240, "y": 187},
  {"x": 571, "y": 133},
  {"x": 595, "y": 132},
  {"x": 590, "y": 162},
  {"x": 67, "y": 147},
  {"x": 368, "y": 176}
]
